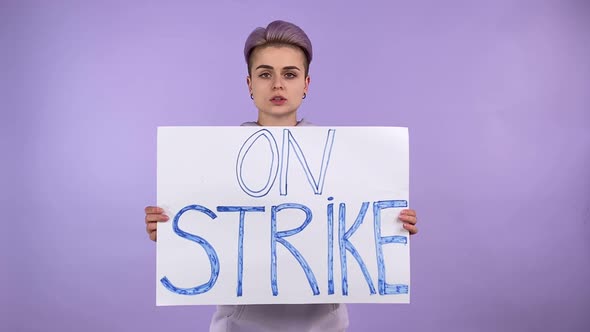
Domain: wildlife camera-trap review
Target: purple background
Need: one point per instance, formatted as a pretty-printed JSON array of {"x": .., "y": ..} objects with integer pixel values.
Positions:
[{"x": 495, "y": 93}]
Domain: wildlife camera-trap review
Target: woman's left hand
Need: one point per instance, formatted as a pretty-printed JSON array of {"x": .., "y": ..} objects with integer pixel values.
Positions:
[{"x": 409, "y": 219}]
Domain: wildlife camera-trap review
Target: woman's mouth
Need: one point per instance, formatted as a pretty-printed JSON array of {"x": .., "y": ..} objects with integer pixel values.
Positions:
[{"x": 278, "y": 100}]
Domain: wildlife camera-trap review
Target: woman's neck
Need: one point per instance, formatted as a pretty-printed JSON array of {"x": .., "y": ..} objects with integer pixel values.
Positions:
[{"x": 281, "y": 121}]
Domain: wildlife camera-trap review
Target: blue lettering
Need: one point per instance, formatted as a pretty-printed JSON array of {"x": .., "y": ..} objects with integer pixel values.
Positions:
[
  {"x": 274, "y": 164},
  {"x": 242, "y": 210},
  {"x": 330, "y": 247},
  {"x": 343, "y": 238},
  {"x": 385, "y": 288},
  {"x": 290, "y": 142},
  {"x": 277, "y": 236},
  {"x": 213, "y": 259}
]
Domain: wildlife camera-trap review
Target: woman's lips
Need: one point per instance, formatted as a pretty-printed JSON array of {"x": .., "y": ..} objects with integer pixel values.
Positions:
[{"x": 278, "y": 101}]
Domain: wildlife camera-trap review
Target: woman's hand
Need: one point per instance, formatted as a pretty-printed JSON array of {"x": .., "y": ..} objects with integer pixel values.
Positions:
[
  {"x": 409, "y": 218},
  {"x": 154, "y": 215}
]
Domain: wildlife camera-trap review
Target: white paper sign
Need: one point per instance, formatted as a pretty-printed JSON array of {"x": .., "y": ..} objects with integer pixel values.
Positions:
[{"x": 264, "y": 215}]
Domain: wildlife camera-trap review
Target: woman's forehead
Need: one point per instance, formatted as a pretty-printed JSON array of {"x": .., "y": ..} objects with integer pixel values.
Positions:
[{"x": 278, "y": 56}]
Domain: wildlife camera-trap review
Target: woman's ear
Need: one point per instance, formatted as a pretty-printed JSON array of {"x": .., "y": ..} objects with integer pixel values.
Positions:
[
  {"x": 307, "y": 81},
  {"x": 249, "y": 83}
]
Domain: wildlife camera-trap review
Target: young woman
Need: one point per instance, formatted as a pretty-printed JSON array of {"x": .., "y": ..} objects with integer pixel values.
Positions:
[{"x": 278, "y": 59}]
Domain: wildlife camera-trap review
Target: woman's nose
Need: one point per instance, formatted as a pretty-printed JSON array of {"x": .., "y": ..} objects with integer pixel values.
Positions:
[{"x": 277, "y": 84}]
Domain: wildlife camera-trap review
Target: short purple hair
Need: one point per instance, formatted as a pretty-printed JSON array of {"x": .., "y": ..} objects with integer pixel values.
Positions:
[{"x": 278, "y": 33}]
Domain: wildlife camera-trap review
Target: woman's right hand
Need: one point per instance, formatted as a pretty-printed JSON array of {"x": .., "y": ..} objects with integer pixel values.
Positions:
[{"x": 154, "y": 215}]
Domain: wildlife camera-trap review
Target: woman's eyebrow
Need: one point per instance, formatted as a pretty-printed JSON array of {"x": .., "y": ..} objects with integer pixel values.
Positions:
[
  {"x": 291, "y": 68},
  {"x": 272, "y": 68},
  {"x": 265, "y": 67}
]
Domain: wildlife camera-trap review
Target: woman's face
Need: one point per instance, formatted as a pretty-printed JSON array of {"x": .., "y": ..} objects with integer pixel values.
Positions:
[{"x": 278, "y": 83}]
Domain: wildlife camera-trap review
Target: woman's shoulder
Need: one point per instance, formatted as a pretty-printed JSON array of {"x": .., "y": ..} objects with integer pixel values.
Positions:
[
  {"x": 249, "y": 123},
  {"x": 302, "y": 122}
]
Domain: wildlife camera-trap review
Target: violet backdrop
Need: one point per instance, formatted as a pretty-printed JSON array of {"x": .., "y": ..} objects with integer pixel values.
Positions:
[{"x": 495, "y": 93}]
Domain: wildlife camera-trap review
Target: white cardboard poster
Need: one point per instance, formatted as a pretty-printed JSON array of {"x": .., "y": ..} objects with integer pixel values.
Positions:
[{"x": 262, "y": 215}]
